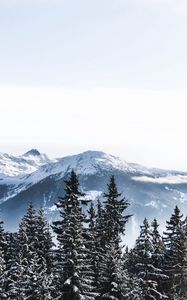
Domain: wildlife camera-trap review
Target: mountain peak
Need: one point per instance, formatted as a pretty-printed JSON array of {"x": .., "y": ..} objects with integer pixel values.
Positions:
[
  {"x": 92, "y": 153},
  {"x": 33, "y": 152}
]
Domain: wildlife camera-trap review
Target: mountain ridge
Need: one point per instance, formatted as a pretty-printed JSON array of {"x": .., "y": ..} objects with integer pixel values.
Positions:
[{"x": 151, "y": 192}]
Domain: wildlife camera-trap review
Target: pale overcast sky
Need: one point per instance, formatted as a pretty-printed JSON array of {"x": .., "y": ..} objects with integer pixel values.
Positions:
[{"x": 95, "y": 74}]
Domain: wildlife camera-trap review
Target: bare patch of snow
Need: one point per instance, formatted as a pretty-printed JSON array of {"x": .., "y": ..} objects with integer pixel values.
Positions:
[{"x": 53, "y": 208}]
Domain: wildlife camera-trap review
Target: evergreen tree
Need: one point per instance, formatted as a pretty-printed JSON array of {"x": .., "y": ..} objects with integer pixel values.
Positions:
[
  {"x": 112, "y": 279},
  {"x": 10, "y": 248},
  {"x": 143, "y": 263},
  {"x": 91, "y": 242},
  {"x": 114, "y": 217},
  {"x": 88, "y": 263},
  {"x": 99, "y": 227},
  {"x": 27, "y": 255},
  {"x": 183, "y": 287},
  {"x": 2, "y": 262},
  {"x": 175, "y": 256},
  {"x": 77, "y": 282},
  {"x": 129, "y": 262},
  {"x": 158, "y": 257},
  {"x": 133, "y": 286},
  {"x": 13, "y": 269},
  {"x": 43, "y": 266},
  {"x": 44, "y": 243},
  {"x": 101, "y": 255},
  {"x": 33, "y": 265}
]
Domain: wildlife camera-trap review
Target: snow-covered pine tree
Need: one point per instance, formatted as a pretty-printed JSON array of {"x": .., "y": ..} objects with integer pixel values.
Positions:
[
  {"x": 7, "y": 246},
  {"x": 2, "y": 262},
  {"x": 44, "y": 242},
  {"x": 10, "y": 248},
  {"x": 112, "y": 277},
  {"x": 13, "y": 270},
  {"x": 158, "y": 257},
  {"x": 132, "y": 289},
  {"x": 183, "y": 289},
  {"x": 101, "y": 256},
  {"x": 175, "y": 256},
  {"x": 90, "y": 270},
  {"x": 91, "y": 242},
  {"x": 27, "y": 255},
  {"x": 129, "y": 262},
  {"x": 43, "y": 266},
  {"x": 114, "y": 280},
  {"x": 114, "y": 217},
  {"x": 77, "y": 283},
  {"x": 99, "y": 227},
  {"x": 143, "y": 263}
]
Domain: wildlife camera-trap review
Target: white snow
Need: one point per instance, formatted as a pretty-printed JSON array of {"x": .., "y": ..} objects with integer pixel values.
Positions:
[
  {"x": 86, "y": 163},
  {"x": 90, "y": 162},
  {"x": 53, "y": 208},
  {"x": 21, "y": 172},
  {"x": 20, "y": 165}
]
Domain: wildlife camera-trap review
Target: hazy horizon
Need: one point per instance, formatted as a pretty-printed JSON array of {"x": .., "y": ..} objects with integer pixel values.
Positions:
[{"x": 108, "y": 75}]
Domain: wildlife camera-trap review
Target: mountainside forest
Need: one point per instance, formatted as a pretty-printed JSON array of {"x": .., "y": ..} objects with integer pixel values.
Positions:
[{"x": 88, "y": 261}]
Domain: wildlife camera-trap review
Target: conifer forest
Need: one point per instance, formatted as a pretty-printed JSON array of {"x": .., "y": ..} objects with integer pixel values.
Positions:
[{"x": 81, "y": 255}]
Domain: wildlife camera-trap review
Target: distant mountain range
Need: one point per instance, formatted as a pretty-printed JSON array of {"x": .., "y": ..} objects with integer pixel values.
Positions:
[{"x": 35, "y": 177}]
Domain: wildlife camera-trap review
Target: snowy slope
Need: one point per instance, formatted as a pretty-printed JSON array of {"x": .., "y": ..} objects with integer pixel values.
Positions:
[
  {"x": 86, "y": 163},
  {"x": 32, "y": 167},
  {"x": 93, "y": 162},
  {"x": 24, "y": 164},
  {"x": 33, "y": 176},
  {"x": 19, "y": 173}
]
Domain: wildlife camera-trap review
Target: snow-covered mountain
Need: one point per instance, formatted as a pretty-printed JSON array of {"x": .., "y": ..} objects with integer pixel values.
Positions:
[
  {"x": 24, "y": 164},
  {"x": 34, "y": 177}
]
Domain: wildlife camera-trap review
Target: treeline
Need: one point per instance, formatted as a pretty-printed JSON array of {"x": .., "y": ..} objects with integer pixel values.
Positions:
[{"x": 89, "y": 261}]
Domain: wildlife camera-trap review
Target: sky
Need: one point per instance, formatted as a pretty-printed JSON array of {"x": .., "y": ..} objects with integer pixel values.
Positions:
[{"x": 104, "y": 75}]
